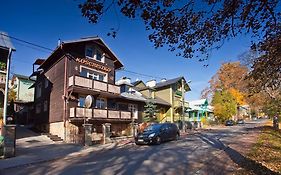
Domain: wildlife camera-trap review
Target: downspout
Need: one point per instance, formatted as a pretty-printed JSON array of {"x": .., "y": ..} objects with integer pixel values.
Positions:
[
  {"x": 7, "y": 87},
  {"x": 64, "y": 95}
]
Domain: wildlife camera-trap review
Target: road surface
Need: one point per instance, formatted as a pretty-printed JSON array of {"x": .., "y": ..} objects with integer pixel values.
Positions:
[{"x": 215, "y": 151}]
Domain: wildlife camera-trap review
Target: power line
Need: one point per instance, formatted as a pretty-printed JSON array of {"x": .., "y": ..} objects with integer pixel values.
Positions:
[
  {"x": 27, "y": 42},
  {"x": 145, "y": 75},
  {"x": 46, "y": 48}
]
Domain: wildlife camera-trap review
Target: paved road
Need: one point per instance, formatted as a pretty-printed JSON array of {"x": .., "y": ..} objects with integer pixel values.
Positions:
[{"x": 204, "y": 152}]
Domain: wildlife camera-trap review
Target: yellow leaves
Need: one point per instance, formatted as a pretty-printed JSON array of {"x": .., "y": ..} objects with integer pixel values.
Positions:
[{"x": 238, "y": 96}]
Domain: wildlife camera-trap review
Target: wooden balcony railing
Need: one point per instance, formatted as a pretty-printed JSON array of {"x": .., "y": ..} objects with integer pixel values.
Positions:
[
  {"x": 93, "y": 84},
  {"x": 79, "y": 112}
]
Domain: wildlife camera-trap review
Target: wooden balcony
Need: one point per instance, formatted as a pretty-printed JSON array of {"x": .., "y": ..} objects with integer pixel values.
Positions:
[
  {"x": 93, "y": 84},
  {"x": 79, "y": 112}
]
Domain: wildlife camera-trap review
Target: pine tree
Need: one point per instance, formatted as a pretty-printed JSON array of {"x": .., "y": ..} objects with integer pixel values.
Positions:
[{"x": 150, "y": 110}]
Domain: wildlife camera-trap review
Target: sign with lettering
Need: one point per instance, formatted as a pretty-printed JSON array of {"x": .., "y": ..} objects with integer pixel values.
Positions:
[{"x": 93, "y": 64}]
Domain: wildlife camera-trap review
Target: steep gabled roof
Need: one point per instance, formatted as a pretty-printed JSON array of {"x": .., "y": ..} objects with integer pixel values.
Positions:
[
  {"x": 199, "y": 102},
  {"x": 5, "y": 41},
  {"x": 170, "y": 82},
  {"x": 97, "y": 40},
  {"x": 136, "y": 82},
  {"x": 23, "y": 77}
]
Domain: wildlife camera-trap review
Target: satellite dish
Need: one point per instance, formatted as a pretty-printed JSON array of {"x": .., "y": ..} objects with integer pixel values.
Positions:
[{"x": 88, "y": 101}]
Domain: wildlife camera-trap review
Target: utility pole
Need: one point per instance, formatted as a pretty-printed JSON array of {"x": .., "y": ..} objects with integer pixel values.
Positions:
[
  {"x": 7, "y": 87},
  {"x": 182, "y": 100}
]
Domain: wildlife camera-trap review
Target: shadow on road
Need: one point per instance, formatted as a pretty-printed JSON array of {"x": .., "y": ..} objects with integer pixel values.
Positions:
[{"x": 236, "y": 157}]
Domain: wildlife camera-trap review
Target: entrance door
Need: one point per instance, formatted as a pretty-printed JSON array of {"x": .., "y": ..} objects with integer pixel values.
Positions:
[{"x": 134, "y": 109}]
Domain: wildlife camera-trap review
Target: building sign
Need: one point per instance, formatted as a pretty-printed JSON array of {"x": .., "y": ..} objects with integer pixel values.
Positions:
[
  {"x": 93, "y": 64},
  {"x": 178, "y": 93}
]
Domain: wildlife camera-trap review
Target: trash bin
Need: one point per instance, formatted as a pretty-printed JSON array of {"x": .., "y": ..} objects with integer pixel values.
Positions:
[{"x": 275, "y": 122}]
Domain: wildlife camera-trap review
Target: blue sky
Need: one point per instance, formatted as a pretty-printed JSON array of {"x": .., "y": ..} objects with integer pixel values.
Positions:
[{"x": 44, "y": 22}]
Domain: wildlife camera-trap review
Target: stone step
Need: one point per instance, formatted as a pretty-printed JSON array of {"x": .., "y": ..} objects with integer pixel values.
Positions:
[{"x": 54, "y": 138}]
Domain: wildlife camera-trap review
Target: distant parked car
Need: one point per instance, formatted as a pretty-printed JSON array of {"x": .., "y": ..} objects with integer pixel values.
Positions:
[
  {"x": 229, "y": 123},
  {"x": 240, "y": 121},
  {"x": 158, "y": 133}
]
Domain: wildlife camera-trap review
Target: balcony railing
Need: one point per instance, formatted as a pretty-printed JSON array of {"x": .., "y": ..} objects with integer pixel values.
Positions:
[
  {"x": 93, "y": 84},
  {"x": 78, "y": 112}
]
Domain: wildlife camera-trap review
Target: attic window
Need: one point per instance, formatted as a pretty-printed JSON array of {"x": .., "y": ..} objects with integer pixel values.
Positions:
[{"x": 94, "y": 53}]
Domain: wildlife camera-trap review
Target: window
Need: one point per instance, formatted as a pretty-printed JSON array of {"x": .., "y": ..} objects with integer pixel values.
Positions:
[
  {"x": 111, "y": 104},
  {"x": 94, "y": 53},
  {"x": 123, "y": 107},
  {"x": 100, "y": 103},
  {"x": 46, "y": 83},
  {"x": 124, "y": 88},
  {"x": 38, "y": 108},
  {"x": 38, "y": 90},
  {"x": 98, "y": 55},
  {"x": 81, "y": 101},
  {"x": 96, "y": 76},
  {"x": 84, "y": 72},
  {"x": 89, "y": 52},
  {"x": 45, "y": 105}
]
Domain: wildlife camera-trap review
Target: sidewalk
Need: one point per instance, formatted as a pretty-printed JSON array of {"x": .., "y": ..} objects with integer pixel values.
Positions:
[{"x": 40, "y": 149}]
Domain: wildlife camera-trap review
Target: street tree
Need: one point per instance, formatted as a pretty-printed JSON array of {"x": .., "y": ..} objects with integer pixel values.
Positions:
[
  {"x": 150, "y": 110},
  {"x": 193, "y": 28},
  {"x": 224, "y": 105},
  {"x": 230, "y": 76}
]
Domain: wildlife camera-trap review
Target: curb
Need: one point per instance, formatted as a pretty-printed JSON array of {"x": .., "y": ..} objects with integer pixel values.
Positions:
[{"x": 70, "y": 155}]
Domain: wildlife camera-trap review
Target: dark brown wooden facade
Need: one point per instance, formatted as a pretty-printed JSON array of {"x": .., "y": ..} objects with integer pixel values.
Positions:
[{"x": 67, "y": 77}]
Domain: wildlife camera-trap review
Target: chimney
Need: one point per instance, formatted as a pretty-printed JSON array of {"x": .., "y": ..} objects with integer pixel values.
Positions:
[
  {"x": 151, "y": 83},
  {"x": 163, "y": 80},
  {"x": 59, "y": 42},
  {"x": 124, "y": 80}
]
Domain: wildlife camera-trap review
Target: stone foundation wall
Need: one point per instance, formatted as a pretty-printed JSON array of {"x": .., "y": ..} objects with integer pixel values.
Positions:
[{"x": 57, "y": 128}]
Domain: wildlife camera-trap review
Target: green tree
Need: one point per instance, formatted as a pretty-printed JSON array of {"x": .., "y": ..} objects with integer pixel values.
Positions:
[
  {"x": 12, "y": 95},
  {"x": 224, "y": 105},
  {"x": 150, "y": 110}
]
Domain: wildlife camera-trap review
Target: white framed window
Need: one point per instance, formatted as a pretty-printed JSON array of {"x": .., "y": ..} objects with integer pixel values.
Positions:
[
  {"x": 94, "y": 53},
  {"x": 101, "y": 103},
  {"x": 96, "y": 76},
  {"x": 93, "y": 74},
  {"x": 38, "y": 90},
  {"x": 89, "y": 52}
]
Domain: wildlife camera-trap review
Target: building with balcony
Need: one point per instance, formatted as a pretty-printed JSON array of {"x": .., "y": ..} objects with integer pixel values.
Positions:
[
  {"x": 5, "y": 47},
  {"x": 73, "y": 71},
  {"x": 171, "y": 91}
]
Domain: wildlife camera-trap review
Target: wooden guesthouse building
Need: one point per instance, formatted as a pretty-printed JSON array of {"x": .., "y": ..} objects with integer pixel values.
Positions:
[{"x": 74, "y": 70}]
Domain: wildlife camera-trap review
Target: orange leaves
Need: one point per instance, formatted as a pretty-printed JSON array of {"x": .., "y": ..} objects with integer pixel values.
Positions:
[{"x": 238, "y": 96}]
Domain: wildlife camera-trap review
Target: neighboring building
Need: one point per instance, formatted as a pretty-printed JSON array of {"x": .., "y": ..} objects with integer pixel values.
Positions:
[
  {"x": 131, "y": 93},
  {"x": 199, "y": 109},
  {"x": 5, "y": 45},
  {"x": 21, "y": 84},
  {"x": 74, "y": 70},
  {"x": 171, "y": 91}
]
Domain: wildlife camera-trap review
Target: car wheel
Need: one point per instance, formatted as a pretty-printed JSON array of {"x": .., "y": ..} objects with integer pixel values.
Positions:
[
  {"x": 158, "y": 140},
  {"x": 177, "y": 137}
]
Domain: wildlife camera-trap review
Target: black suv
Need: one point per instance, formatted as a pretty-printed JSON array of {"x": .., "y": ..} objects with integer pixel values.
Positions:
[{"x": 157, "y": 133}]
